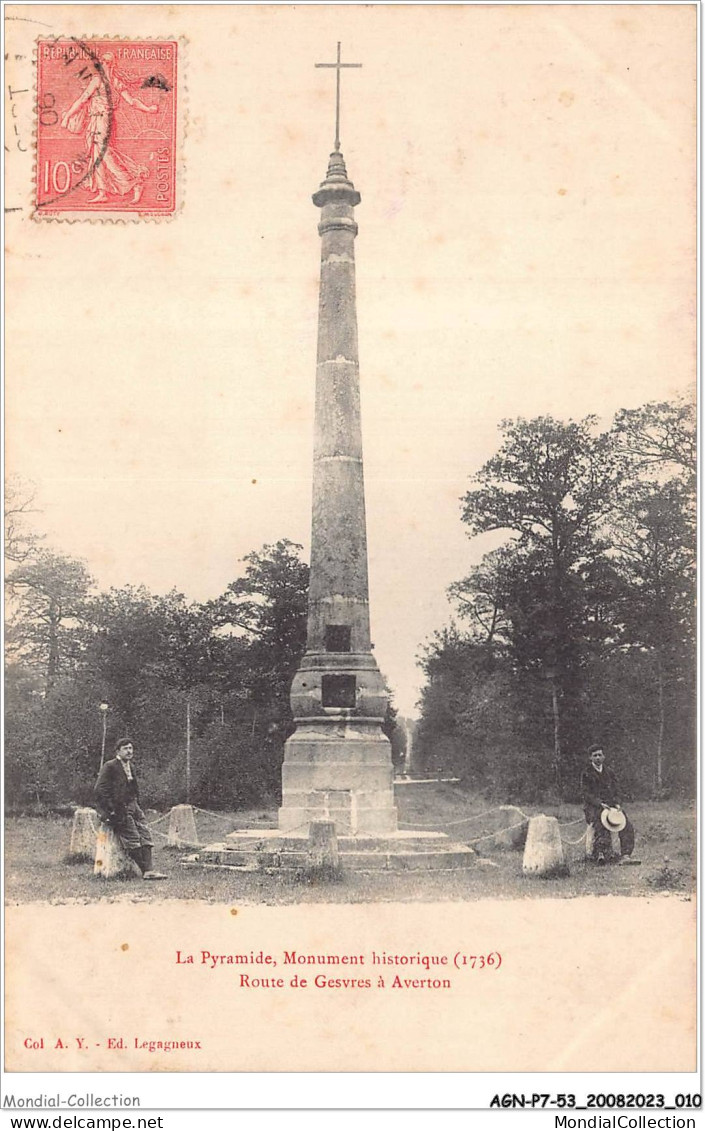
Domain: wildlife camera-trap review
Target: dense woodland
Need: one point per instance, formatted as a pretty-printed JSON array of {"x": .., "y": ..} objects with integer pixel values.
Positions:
[
  {"x": 579, "y": 627},
  {"x": 211, "y": 678},
  {"x": 202, "y": 689}
]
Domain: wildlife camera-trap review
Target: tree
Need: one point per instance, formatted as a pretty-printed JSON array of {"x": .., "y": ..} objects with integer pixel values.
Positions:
[
  {"x": 482, "y": 598},
  {"x": 48, "y": 594},
  {"x": 481, "y": 719},
  {"x": 447, "y": 662},
  {"x": 392, "y": 729},
  {"x": 260, "y": 624},
  {"x": 591, "y": 597},
  {"x": 551, "y": 487},
  {"x": 21, "y": 542},
  {"x": 267, "y": 608},
  {"x": 29, "y": 776},
  {"x": 659, "y": 438},
  {"x": 655, "y": 543},
  {"x": 129, "y": 643}
]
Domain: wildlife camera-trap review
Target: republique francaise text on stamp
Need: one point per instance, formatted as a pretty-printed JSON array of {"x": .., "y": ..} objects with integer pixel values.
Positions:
[{"x": 106, "y": 128}]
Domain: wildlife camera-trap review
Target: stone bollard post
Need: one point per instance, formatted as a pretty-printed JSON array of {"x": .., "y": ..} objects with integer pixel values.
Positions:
[
  {"x": 182, "y": 828},
  {"x": 514, "y": 826},
  {"x": 543, "y": 854},
  {"x": 111, "y": 860},
  {"x": 83, "y": 837},
  {"x": 322, "y": 857}
]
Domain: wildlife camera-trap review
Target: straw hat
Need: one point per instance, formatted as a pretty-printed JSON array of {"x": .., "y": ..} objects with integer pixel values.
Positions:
[{"x": 613, "y": 820}]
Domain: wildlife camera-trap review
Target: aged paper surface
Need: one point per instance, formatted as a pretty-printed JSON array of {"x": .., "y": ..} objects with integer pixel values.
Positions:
[
  {"x": 161, "y": 374},
  {"x": 537, "y": 1015}
]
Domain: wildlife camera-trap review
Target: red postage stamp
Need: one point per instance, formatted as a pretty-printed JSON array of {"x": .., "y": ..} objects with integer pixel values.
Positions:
[{"x": 106, "y": 127}]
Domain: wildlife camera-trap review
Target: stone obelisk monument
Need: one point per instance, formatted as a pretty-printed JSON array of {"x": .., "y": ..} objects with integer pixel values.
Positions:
[{"x": 337, "y": 764}]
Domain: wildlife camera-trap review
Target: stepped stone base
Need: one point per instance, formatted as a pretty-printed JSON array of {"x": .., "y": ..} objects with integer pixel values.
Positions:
[{"x": 253, "y": 850}]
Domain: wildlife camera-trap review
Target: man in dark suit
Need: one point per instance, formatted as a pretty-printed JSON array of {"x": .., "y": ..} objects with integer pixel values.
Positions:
[
  {"x": 600, "y": 791},
  {"x": 117, "y": 802}
]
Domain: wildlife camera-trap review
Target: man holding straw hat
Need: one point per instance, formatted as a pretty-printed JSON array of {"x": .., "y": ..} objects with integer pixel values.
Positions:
[{"x": 603, "y": 811}]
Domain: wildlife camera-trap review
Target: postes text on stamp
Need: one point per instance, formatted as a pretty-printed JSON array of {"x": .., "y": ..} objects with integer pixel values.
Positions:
[{"x": 106, "y": 127}]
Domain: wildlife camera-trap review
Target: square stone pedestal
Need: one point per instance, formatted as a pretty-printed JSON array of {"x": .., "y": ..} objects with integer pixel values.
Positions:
[{"x": 339, "y": 771}]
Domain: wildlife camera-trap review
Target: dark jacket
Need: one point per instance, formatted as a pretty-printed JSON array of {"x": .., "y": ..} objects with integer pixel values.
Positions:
[
  {"x": 598, "y": 789},
  {"x": 113, "y": 791}
]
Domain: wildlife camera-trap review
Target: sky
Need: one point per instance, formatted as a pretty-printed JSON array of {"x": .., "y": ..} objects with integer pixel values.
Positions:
[{"x": 525, "y": 247}]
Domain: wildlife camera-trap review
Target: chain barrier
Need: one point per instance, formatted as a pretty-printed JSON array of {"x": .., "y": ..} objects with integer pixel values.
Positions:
[
  {"x": 465, "y": 820},
  {"x": 158, "y": 820},
  {"x": 408, "y": 825},
  {"x": 578, "y": 841},
  {"x": 209, "y": 813},
  {"x": 97, "y": 831},
  {"x": 519, "y": 824},
  {"x": 498, "y": 832}
]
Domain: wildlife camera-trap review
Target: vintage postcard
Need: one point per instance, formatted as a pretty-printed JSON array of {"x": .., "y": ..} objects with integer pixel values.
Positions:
[{"x": 350, "y": 543}]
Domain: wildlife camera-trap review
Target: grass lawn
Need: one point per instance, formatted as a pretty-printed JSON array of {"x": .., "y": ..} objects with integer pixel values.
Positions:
[{"x": 666, "y": 842}]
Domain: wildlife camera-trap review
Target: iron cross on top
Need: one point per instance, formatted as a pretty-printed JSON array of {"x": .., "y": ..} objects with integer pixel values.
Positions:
[{"x": 338, "y": 66}]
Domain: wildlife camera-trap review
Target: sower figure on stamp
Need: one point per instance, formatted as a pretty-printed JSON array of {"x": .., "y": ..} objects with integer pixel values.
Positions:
[
  {"x": 117, "y": 802},
  {"x": 603, "y": 811},
  {"x": 111, "y": 172}
]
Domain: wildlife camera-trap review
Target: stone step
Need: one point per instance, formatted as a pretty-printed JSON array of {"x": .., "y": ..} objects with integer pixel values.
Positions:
[
  {"x": 405, "y": 841},
  {"x": 291, "y": 853}
]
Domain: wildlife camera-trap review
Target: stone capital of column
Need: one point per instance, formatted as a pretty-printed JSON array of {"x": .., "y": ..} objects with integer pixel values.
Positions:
[{"x": 336, "y": 188}]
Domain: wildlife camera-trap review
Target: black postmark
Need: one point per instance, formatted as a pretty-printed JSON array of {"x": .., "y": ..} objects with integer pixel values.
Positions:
[{"x": 157, "y": 82}]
